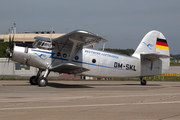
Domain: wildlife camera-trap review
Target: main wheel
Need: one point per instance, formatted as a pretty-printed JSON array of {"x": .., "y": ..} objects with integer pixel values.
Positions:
[
  {"x": 143, "y": 82},
  {"x": 33, "y": 80},
  {"x": 42, "y": 82}
]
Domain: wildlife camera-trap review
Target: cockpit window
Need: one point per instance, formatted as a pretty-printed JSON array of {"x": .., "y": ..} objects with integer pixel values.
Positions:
[{"x": 42, "y": 45}]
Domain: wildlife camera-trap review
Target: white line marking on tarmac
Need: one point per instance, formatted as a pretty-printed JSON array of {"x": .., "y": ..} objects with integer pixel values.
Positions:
[
  {"x": 93, "y": 105},
  {"x": 77, "y": 97}
]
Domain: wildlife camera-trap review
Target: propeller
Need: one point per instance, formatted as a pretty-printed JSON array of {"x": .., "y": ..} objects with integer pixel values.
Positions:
[
  {"x": 9, "y": 51},
  {"x": 11, "y": 45}
]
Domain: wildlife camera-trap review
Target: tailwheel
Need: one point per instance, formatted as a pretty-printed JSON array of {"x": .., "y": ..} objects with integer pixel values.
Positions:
[
  {"x": 42, "y": 82},
  {"x": 143, "y": 82},
  {"x": 33, "y": 80}
]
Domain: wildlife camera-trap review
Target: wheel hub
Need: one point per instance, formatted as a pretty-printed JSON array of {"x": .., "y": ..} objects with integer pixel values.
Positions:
[{"x": 42, "y": 82}]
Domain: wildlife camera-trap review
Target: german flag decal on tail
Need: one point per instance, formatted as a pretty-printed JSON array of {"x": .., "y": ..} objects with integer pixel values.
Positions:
[{"x": 162, "y": 44}]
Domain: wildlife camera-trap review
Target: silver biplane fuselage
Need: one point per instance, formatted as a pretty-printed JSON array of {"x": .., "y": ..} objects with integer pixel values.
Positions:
[
  {"x": 99, "y": 63},
  {"x": 69, "y": 54}
]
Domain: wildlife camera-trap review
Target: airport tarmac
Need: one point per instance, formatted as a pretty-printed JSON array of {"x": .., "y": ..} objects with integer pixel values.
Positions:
[{"x": 90, "y": 100}]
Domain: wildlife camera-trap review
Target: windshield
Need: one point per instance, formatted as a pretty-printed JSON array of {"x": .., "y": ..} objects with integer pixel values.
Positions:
[{"x": 42, "y": 44}]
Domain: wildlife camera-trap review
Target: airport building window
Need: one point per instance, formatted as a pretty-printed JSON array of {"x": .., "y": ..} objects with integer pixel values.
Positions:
[
  {"x": 27, "y": 68},
  {"x": 1, "y": 40},
  {"x": 17, "y": 66}
]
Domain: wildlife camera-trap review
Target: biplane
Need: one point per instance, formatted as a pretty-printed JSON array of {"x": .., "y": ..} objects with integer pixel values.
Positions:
[{"x": 70, "y": 54}]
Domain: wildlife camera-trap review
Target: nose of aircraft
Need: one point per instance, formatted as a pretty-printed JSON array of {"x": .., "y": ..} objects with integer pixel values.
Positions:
[{"x": 19, "y": 54}]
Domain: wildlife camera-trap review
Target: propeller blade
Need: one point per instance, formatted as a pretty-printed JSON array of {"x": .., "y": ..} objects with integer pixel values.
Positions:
[
  {"x": 9, "y": 51},
  {"x": 11, "y": 48},
  {"x": 51, "y": 34},
  {"x": 6, "y": 60},
  {"x": 9, "y": 41},
  {"x": 8, "y": 54},
  {"x": 13, "y": 39}
]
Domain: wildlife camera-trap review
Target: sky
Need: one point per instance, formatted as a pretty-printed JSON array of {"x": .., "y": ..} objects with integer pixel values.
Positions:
[{"x": 122, "y": 22}]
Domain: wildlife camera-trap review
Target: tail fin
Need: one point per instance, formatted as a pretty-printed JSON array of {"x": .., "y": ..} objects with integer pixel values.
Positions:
[
  {"x": 153, "y": 51},
  {"x": 153, "y": 42}
]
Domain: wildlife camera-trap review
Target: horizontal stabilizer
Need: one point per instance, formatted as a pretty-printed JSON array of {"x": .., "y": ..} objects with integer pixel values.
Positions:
[
  {"x": 68, "y": 68},
  {"x": 155, "y": 55}
]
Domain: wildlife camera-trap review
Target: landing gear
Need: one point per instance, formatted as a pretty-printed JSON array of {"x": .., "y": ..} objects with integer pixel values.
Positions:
[
  {"x": 143, "y": 82},
  {"x": 33, "y": 80},
  {"x": 41, "y": 81}
]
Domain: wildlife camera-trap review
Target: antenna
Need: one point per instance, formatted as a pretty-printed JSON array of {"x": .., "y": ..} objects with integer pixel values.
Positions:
[
  {"x": 9, "y": 30},
  {"x": 51, "y": 36},
  {"x": 103, "y": 46},
  {"x": 14, "y": 28}
]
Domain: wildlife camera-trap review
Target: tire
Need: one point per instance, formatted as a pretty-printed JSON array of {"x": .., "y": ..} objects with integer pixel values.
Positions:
[
  {"x": 143, "y": 82},
  {"x": 42, "y": 82},
  {"x": 33, "y": 80}
]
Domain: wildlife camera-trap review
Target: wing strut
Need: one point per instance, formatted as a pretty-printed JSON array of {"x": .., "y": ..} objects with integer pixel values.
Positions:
[{"x": 75, "y": 42}]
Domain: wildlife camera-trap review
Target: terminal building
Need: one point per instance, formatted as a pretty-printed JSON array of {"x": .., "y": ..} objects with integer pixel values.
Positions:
[{"x": 27, "y": 38}]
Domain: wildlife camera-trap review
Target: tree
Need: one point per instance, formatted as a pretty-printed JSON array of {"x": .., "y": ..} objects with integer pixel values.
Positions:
[{"x": 3, "y": 47}]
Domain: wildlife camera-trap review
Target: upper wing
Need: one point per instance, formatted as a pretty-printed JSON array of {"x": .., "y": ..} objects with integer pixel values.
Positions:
[{"x": 84, "y": 38}]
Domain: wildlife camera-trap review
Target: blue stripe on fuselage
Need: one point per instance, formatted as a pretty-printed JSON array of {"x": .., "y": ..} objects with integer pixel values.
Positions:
[
  {"x": 77, "y": 61},
  {"x": 98, "y": 65},
  {"x": 42, "y": 51}
]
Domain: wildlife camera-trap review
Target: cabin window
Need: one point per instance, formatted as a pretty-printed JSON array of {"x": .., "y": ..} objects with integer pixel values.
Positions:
[
  {"x": 93, "y": 60},
  {"x": 64, "y": 55},
  {"x": 58, "y": 54},
  {"x": 76, "y": 58}
]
